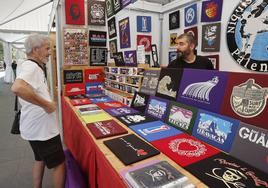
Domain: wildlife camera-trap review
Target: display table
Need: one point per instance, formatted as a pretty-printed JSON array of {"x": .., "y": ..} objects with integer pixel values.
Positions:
[{"x": 99, "y": 164}]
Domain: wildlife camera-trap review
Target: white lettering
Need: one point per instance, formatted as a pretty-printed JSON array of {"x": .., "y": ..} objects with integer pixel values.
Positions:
[{"x": 245, "y": 135}]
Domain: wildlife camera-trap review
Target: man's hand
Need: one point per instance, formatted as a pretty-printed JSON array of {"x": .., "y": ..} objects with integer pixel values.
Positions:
[{"x": 50, "y": 107}]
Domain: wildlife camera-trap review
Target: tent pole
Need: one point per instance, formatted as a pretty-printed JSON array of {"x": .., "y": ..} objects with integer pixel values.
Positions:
[{"x": 59, "y": 61}]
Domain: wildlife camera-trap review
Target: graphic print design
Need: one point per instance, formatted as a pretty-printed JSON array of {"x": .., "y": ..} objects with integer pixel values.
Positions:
[
  {"x": 211, "y": 37},
  {"x": 211, "y": 10},
  {"x": 248, "y": 99},
  {"x": 157, "y": 108},
  {"x": 143, "y": 23},
  {"x": 174, "y": 20},
  {"x": 247, "y": 43},
  {"x": 200, "y": 90},
  {"x": 207, "y": 126},
  {"x": 180, "y": 117},
  {"x": 163, "y": 87},
  {"x": 146, "y": 41},
  {"x": 197, "y": 148},
  {"x": 112, "y": 28},
  {"x": 215, "y": 129},
  {"x": 96, "y": 13},
  {"x": 190, "y": 15},
  {"x": 74, "y": 12},
  {"x": 124, "y": 32}
]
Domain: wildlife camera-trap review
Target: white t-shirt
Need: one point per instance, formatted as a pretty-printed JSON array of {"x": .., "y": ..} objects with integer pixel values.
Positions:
[{"x": 35, "y": 123}]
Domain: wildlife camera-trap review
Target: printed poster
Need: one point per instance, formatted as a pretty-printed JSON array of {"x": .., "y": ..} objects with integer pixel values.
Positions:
[
  {"x": 134, "y": 119},
  {"x": 174, "y": 20},
  {"x": 75, "y": 46},
  {"x": 172, "y": 39},
  {"x": 74, "y": 89},
  {"x": 214, "y": 60},
  {"x": 224, "y": 170},
  {"x": 211, "y": 35},
  {"x": 154, "y": 130},
  {"x": 75, "y": 12},
  {"x": 72, "y": 76},
  {"x": 96, "y": 13},
  {"x": 97, "y": 38},
  {"x": 250, "y": 146},
  {"x": 139, "y": 101},
  {"x": 109, "y": 8},
  {"x": 148, "y": 60},
  {"x": 181, "y": 116},
  {"x": 203, "y": 89},
  {"x": 246, "y": 98},
  {"x": 121, "y": 111},
  {"x": 169, "y": 82},
  {"x": 190, "y": 15},
  {"x": 94, "y": 87},
  {"x": 117, "y": 5},
  {"x": 112, "y": 28},
  {"x": 247, "y": 36},
  {"x": 130, "y": 58},
  {"x": 103, "y": 129},
  {"x": 124, "y": 33},
  {"x": 113, "y": 47},
  {"x": 94, "y": 75},
  {"x": 157, "y": 107},
  {"x": 211, "y": 11},
  {"x": 98, "y": 56},
  {"x": 185, "y": 149},
  {"x": 150, "y": 81},
  {"x": 140, "y": 54},
  {"x": 215, "y": 129},
  {"x": 119, "y": 59},
  {"x": 144, "y": 24},
  {"x": 146, "y": 41}
]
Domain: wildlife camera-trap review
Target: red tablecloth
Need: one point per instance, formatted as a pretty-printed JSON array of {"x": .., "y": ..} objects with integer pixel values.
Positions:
[{"x": 98, "y": 170}]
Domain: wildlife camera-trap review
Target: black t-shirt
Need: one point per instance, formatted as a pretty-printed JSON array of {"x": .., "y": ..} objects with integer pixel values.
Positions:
[{"x": 199, "y": 63}]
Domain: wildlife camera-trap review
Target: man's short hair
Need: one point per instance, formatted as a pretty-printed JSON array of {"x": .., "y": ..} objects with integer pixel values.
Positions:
[
  {"x": 34, "y": 41},
  {"x": 190, "y": 38}
]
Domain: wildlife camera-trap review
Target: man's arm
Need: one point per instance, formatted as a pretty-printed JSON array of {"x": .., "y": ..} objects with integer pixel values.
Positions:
[{"x": 25, "y": 91}]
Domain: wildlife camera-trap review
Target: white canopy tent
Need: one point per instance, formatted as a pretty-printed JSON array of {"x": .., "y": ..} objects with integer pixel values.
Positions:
[{"x": 18, "y": 19}]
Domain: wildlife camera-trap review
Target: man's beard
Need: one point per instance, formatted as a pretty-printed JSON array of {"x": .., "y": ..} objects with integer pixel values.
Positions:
[
  {"x": 182, "y": 55},
  {"x": 45, "y": 60}
]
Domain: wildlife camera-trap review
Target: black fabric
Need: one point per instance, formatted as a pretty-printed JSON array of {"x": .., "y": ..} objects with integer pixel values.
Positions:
[
  {"x": 15, "y": 129},
  {"x": 50, "y": 151},
  {"x": 134, "y": 119},
  {"x": 170, "y": 175},
  {"x": 225, "y": 171},
  {"x": 199, "y": 63},
  {"x": 130, "y": 149},
  {"x": 139, "y": 101},
  {"x": 170, "y": 89}
]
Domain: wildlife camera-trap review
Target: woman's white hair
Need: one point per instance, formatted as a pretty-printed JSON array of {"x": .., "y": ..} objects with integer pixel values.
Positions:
[{"x": 34, "y": 41}]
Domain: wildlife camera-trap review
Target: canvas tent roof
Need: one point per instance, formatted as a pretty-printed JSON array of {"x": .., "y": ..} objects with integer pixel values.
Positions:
[{"x": 19, "y": 18}]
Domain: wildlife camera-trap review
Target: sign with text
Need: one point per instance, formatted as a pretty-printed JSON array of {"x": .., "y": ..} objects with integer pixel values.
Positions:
[{"x": 72, "y": 76}]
